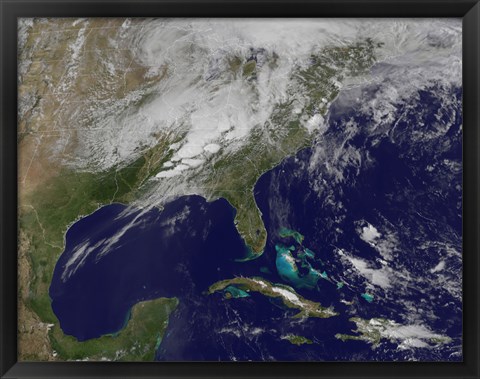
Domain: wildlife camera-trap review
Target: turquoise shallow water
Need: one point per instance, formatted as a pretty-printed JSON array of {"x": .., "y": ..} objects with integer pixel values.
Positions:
[
  {"x": 289, "y": 271},
  {"x": 236, "y": 292}
]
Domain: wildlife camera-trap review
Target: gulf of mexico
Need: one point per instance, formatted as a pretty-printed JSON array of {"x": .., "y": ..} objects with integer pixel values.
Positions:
[{"x": 176, "y": 252}]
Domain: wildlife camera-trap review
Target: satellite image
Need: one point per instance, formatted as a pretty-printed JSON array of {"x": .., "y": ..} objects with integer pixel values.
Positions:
[{"x": 240, "y": 189}]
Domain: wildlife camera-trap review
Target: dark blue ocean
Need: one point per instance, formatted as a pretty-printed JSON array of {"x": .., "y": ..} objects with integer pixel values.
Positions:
[{"x": 190, "y": 244}]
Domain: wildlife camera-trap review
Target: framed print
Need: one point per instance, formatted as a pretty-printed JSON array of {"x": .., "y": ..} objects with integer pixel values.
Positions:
[{"x": 245, "y": 189}]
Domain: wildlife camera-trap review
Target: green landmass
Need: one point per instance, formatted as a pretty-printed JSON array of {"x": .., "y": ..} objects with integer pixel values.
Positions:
[
  {"x": 286, "y": 294},
  {"x": 334, "y": 62},
  {"x": 234, "y": 63},
  {"x": 297, "y": 340},
  {"x": 283, "y": 135},
  {"x": 249, "y": 67},
  {"x": 369, "y": 331},
  {"x": 138, "y": 341},
  {"x": 45, "y": 216},
  {"x": 374, "y": 330}
]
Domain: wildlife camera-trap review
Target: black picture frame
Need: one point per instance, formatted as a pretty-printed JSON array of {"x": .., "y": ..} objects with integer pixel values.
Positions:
[{"x": 469, "y": 10}]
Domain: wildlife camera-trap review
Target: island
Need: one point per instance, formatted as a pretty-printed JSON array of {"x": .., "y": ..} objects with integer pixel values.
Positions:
[
  {"x": 297, "y": 340},
  {"x": 374, "y": 330},
  {"x": 288, "y": 296}
]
